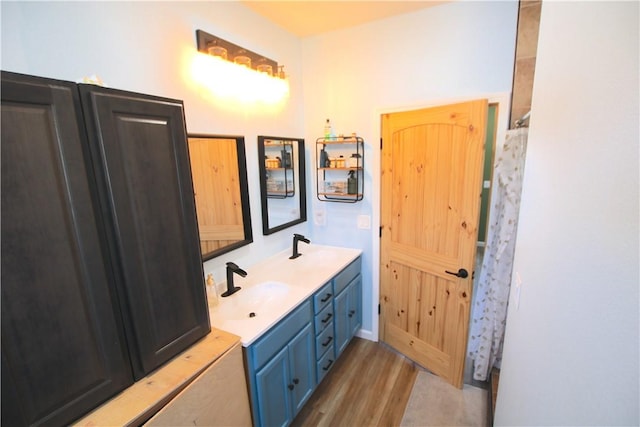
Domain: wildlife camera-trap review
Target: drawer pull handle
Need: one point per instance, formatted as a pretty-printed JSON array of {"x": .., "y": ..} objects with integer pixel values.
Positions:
[
  {"x": 326, "y": 319},
  {"x": 326, "y": 298},
  {"x": 326, "y": 343},
  {"x": 326, "y": 368}
]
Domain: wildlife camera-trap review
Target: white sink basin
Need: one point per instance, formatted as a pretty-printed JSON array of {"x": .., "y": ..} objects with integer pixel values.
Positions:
[{"x": 253, "y": 300}]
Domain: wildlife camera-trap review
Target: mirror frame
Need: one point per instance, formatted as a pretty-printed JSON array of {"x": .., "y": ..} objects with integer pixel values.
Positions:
[
  {"x": 298, "y": 143},
  {"x": 244, "y": 194}
]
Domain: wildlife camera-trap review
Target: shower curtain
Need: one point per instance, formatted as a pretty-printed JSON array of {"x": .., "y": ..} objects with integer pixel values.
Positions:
[{"x": 492, "y": 293}]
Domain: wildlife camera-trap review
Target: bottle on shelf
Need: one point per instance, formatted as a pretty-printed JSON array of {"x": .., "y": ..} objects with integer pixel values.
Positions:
[
  {"x": 327, "y": 130},
  {"x": 323, "y": 158},
  {"x": 354, "y": 160},
  {"x": 352, "y": 183},
  {"x": 286, "y": 158}
]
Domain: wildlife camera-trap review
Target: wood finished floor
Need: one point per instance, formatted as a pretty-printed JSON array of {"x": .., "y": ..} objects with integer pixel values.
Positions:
[{"x": 369, "y": 385}]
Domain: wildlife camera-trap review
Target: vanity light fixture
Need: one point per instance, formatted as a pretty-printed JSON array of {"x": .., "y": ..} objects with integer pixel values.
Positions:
[{"x": 223, "y": 49}]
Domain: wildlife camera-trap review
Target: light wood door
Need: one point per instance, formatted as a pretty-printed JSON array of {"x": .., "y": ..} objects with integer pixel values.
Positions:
[{"x": 431, "y": 187}]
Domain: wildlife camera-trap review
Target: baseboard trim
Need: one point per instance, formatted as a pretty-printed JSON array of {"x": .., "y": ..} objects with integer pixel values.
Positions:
[{"x": 367, "y": 335}]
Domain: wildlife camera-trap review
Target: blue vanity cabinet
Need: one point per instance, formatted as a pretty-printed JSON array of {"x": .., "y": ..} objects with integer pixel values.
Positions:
[
  {"x": 281, "y": 367},
  {"x": 347, "y": 305},
  {"x": 285, "y": 365}
]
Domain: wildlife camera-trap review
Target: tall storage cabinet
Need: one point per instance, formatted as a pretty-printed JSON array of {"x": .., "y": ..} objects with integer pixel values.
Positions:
[
  {"x": 141, "y": 160},
  {"x": 101, "y": 271}
]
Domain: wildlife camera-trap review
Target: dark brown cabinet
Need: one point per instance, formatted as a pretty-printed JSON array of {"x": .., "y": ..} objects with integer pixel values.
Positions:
[{"x": 101, "y": 271}]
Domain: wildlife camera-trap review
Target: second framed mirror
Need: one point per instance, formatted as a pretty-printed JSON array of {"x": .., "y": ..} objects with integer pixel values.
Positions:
[{"x": 282, "y": 182}]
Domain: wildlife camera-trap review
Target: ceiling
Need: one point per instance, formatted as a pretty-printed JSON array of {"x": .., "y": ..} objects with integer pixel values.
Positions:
[{"x": 311, "y": 17}]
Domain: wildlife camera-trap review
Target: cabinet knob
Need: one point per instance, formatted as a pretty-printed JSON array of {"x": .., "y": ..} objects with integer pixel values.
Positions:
[
  {"x": 290, "y": 386},
  {"x": 351, "y": 313},
  {"x": 296, "y": 381}
]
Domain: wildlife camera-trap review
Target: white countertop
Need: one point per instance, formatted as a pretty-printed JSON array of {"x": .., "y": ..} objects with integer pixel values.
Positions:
[{"x": 293, "y": 282}]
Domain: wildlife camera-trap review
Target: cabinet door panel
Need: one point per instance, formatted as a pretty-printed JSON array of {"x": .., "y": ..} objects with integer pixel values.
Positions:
[
  {"x": 274, "y": 399},
  {"x": 355, "y": 306},
  {"x": 341, "y": 322},
  {"x": 63, "y": 348},
  {"x": 302, "y": 359},
  {"x": 139, "y": 146},
  {"x": 348, "y": 308}
]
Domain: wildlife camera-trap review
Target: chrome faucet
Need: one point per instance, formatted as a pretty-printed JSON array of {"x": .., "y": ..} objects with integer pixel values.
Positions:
[
  {"x": 298, "y": 238},
  {"x": 231, "y": 269}
]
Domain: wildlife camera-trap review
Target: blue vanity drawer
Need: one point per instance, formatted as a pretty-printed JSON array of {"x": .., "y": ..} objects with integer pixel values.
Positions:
[
  {"x": 322, "y": 297},
  {"x": 324, "y": 319},
  {"x": 346, "y": 276},
  {"x": 281, "y": 334},
  {"x": 324, "y": 365},
  {"x": 324, "y": 341}
]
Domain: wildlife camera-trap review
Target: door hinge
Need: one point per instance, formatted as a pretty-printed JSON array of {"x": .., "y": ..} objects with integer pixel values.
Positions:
[
  {"x": 380, "y": 143},
  {"x": 380, "y": 232},
  {"x": 378, "y": 309}
]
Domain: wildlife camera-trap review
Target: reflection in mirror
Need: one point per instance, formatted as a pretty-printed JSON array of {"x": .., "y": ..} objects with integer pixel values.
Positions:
[
  {"x": 219, "y": 170},
  {"x": 282, "y": 182}
]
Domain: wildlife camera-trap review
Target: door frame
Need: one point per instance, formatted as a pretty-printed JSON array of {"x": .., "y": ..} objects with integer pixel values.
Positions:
[{"x": 502, "y": 100}]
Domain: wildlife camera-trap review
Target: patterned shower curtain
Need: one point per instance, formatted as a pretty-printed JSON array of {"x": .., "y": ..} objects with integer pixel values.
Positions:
[{"x": 492, "y": 293}]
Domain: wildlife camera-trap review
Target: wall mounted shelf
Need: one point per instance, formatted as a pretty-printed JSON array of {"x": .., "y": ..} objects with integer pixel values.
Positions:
[{"x": 340, "y": 169}]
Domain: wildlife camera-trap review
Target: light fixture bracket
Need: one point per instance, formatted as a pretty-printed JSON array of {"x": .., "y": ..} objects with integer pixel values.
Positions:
[{"x": 206, "y": 40}]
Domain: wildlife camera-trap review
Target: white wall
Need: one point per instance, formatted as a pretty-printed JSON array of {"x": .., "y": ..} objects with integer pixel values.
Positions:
[
  {"x": 571, "y": 349},
  {"x": 439, "y": 55},
  {"x": 149, "y": 47}
]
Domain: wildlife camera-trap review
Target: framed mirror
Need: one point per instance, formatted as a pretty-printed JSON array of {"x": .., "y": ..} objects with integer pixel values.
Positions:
[
  {"x": 282, "y": 182},
  {"x": 219, "y": 171}
]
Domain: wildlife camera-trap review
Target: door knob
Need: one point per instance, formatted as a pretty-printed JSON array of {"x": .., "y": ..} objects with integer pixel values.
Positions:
[{"x": 462, "y": 273}]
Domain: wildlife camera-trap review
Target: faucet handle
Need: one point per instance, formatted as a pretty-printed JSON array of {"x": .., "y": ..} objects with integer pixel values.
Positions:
[
  {"x": 234, "y": 267},
  {"x": 301, "y": 238}
]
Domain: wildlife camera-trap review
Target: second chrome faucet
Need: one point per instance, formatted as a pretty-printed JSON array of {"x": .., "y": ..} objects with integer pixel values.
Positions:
[{"x": 231, "y": 269}]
